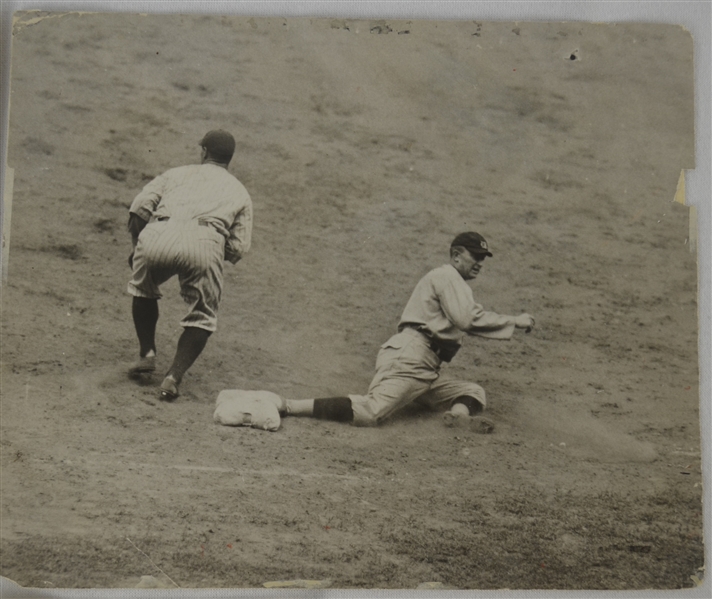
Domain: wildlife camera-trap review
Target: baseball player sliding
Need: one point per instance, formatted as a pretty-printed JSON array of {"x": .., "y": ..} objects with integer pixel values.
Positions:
[
  {"x": 440, "y": 312},
  {"x": 186, "y": 222}
]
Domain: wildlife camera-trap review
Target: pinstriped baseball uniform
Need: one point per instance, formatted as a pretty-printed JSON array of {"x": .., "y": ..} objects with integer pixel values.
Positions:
[
  {"x": 199, "y": 215},
  {"x": 443, "y": 308}
]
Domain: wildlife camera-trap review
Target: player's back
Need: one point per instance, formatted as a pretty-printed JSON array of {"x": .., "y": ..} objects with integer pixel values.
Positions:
[{"x": 201, "y": 191}]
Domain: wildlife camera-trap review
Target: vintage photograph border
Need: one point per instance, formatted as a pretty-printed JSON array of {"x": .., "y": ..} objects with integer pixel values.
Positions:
[{"x": 695, "y": 16}]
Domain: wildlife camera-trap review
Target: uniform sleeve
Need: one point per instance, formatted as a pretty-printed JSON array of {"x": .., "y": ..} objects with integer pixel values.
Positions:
[
  {"x": 239, "y": 237},
  {"x": 470, "y": 317},
  {"x": 145, "y": 203}
]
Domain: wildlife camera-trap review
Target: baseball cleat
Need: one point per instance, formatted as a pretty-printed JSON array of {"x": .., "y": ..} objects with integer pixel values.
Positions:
[
  {"x": 477, "y": 424},
  {"x": 144, "y": 365},
  {"x": 168, "y": 390}
]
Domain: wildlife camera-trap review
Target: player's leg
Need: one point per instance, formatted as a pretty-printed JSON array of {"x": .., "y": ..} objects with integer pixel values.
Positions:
[
  {"x": 149, "y": 271},
  {"x": 200, "y": 266},
  {"x": 338, "y": 409},
  {"x": 405, "y": 369},
  {"x": 145, "y": 316},
  {"x": 362, "y": 410},
  {"x": 464, "y": 403},
  {"x": 190, "y": 345},
  {"x": 445, "y": 393}
]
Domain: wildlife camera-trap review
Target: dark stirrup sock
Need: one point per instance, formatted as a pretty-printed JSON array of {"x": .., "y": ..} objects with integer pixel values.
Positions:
[
  {"x": 145, "y": 316},
  {"x": 334, "y": 408},
  {"x": 473, "y": 406},
  {"x": 190, "y": 345}
]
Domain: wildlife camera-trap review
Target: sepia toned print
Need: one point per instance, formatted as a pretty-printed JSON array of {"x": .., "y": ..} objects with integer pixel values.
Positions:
[{"x": 366, "y": 147}]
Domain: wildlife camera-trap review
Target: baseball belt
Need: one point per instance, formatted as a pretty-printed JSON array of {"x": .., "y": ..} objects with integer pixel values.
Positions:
[
  {"x": 162, "y": 219},
  {"x": 442, "y": 348}
]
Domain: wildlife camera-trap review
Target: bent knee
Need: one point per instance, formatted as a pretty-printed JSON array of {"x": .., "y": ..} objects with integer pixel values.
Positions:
[
  {"x": 363, "y": 410},
  {"x": 474, "y": 390}
]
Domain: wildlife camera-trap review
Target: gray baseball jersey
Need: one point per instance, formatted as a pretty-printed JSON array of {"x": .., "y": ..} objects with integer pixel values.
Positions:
[
  {"x": 441, "y": 308},
  {"x": 199, "y": 215}
]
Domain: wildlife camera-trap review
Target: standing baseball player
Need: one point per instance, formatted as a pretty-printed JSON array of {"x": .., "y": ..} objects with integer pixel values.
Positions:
[
  {"x": 440, "y": 312},
  {"x": 186, "y": 222}
]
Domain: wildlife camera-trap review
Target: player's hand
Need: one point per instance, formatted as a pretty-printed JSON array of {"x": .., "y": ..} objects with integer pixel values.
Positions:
[{"x": 524, "y": 321}]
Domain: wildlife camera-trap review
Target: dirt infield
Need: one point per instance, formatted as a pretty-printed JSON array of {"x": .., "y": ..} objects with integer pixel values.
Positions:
[{"x": 366, "y": 146}]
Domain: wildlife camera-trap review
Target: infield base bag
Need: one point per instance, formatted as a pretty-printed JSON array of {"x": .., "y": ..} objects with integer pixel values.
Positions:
[{"x": 258, "y": 409}]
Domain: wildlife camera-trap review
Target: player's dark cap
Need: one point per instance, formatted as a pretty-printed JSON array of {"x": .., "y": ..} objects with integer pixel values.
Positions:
[
  {"x": 473, "y": 243},
  {"x": 219, "y": 143}
]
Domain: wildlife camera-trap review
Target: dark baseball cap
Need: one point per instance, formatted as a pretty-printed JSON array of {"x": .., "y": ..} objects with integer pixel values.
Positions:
[
  {"x": 219, "y": 143},
  {"x": 473, "y": 243}
]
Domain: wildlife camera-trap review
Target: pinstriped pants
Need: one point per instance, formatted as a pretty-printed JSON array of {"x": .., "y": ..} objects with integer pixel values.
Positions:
[
  {"x": 193, "y": 252},
  {"x": 408, "y": 370}
]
